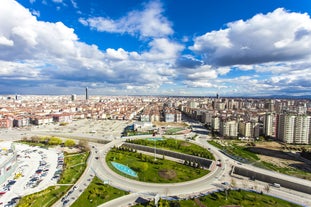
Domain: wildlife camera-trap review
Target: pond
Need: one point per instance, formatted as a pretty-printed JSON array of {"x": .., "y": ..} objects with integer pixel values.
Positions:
[{"x": 125, "y": 169}]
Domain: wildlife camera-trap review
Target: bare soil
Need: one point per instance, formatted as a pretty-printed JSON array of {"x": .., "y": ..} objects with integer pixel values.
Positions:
[
  {"x": 167, "y": 174},
  {"x": 272, "y": 152}
]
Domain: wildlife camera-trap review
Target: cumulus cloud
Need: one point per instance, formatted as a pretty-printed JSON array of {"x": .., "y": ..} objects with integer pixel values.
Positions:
[
  {"x": 272, "y": 37},
  {"x": 6, "y": 42},
  {"x": 149, "y": 22},
  {"x": 35, "y": 52},
  {"x": 162, "y": 48}
]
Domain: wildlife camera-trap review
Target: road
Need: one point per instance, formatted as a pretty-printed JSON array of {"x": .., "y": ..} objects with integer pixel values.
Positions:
[{"x": 205, "y": 184}]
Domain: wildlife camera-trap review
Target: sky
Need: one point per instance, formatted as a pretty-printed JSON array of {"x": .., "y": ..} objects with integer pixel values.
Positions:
[{"x": 156, "y": 47}]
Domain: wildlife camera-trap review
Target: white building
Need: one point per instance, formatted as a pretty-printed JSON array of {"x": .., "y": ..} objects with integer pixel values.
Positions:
[
  {"x": 228, "y": 128},
  {"x": 294, "y": 128},
  {"x": 270, "y": 124}
]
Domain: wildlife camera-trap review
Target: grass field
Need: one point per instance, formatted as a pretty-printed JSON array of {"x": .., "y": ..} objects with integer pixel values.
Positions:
[
  {"x": 98, "y": 193},
  {"x": 149, "y": 170},
  {"x": 233, "y": 198},
  {"x": 176, "y": 145},
  {"x": 171, "y": 131}
]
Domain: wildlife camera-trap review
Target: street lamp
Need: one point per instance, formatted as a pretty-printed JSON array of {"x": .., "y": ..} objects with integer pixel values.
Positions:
[{"x": 155, "y": 149}]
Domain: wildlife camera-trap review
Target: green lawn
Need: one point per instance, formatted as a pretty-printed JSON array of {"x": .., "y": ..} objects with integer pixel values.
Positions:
[
  {"x": 176, "y": 145},
  {"x": 234, "y": 198},
  {"x": 73, "y": 169},
  {"x": 149, "y": 170},
  {"x": 75, "y": 165},
  {"x": 98, "y": 193},
  {"x": 171, "y": 131},
  {"x": 43, "y": 198}
]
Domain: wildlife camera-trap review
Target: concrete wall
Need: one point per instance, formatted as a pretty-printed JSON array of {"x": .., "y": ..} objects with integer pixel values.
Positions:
[
  {"x": 203, "y": 161},
  {"x": 272, "y": 179}
]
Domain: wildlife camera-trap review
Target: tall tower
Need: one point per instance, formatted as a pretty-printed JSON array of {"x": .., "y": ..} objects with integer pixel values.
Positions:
[
  {"x": 86, "y": 94},
  {"x": 73, "y": 97}
]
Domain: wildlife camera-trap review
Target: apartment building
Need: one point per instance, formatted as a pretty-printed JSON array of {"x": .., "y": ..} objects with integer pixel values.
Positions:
[
  {"x": 294, "y": 129},
  {"x": 270, "y": 124},
  {"x": 228, "y": 128}
]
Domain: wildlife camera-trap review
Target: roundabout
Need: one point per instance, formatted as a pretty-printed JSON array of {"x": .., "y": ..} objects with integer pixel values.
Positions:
[{"x": 180, "y": 189}]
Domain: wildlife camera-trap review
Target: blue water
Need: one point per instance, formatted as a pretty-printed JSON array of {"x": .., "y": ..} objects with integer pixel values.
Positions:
[
  {"x": 155, "y": 139},
  {"x": 124, "y": 169}
]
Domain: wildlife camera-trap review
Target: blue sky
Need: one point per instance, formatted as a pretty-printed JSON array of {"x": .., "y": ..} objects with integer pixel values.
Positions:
[{"x": 127, "y": 47}]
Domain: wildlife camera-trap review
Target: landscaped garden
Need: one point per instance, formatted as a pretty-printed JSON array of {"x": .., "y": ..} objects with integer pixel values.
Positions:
[
  {"x": 98, "y": 193},
  {"x": 176, "y": 145},
  {"x": 230, "y": 198},
  {"x": 150, "y": 170}
]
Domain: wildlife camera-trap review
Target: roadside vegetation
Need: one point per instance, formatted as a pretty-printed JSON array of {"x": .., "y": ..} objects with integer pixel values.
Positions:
[
  {"x": 52, "y": 141},
  {"x": 150, "y": 170},
  {"x": 226, "y": 198},
  {"x": 177, "y": 146},
  {"x": 74, "y": 166},
  {"x": 275, "y": 159},
  {"x": 98, "y": 193}
]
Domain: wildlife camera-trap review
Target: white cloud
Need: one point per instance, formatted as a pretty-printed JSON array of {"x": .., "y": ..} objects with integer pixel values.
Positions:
[
  {"x": 273, "y": 37},
  {"x": 6, "y": 42},
  {"x": 35, "y": 52},
  {"x": 164, "y": 49},
  {"x": 74, "y": 4},
  {"x": 117, "y": 54},
  {"x": 147, "y": 23},
  {"x": 101, "y": 24}
]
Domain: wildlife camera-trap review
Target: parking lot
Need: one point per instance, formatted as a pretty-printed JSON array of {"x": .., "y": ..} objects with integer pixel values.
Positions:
[{"x": 37, "y": 168}]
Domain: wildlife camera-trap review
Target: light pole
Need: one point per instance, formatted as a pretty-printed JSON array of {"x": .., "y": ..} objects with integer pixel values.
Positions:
[{"x": 155, "y": 149}]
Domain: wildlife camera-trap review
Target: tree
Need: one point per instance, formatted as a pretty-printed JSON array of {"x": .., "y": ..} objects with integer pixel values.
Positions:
[
  {"x": 233, "y": 183},
  {"x": 25, "y": 139},
  {"x": 84, "y": 145},
  {"x": 267, "y": 188},
  {"x": 145, "y": 166},
  {"x": 69, "y": 143},
  {"x": 34, "y": 139},
  {"x": 55, "y": 141}
]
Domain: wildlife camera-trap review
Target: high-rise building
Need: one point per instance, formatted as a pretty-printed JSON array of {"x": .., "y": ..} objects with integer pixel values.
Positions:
[
  {"x": 286, "y": 124},
  {"x": 302, "y": 129},
  {"x": 86, "y": 94},
  {"x": 270, "y": 124},
  {"x": 73, "y": 97},
  {"x": 228, "y": 128},
  {"x": 245, "y": 129},
  {"x": 215, "y": 123},
  {"x": 294, "y": 128}
]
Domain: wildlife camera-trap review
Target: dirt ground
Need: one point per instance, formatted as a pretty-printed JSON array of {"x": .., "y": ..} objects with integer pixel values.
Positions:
[{"x": 273, "y": 152}]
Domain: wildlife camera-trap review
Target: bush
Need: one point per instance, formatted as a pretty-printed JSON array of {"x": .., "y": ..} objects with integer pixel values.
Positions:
[{"x": 69, "y": 143}]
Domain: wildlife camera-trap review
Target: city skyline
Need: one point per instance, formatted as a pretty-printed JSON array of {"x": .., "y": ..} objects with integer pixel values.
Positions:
[{"x": 201, "y": 48}]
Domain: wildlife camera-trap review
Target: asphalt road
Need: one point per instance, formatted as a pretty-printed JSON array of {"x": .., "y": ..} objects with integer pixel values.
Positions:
[{"x": 205, "y": 184}]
